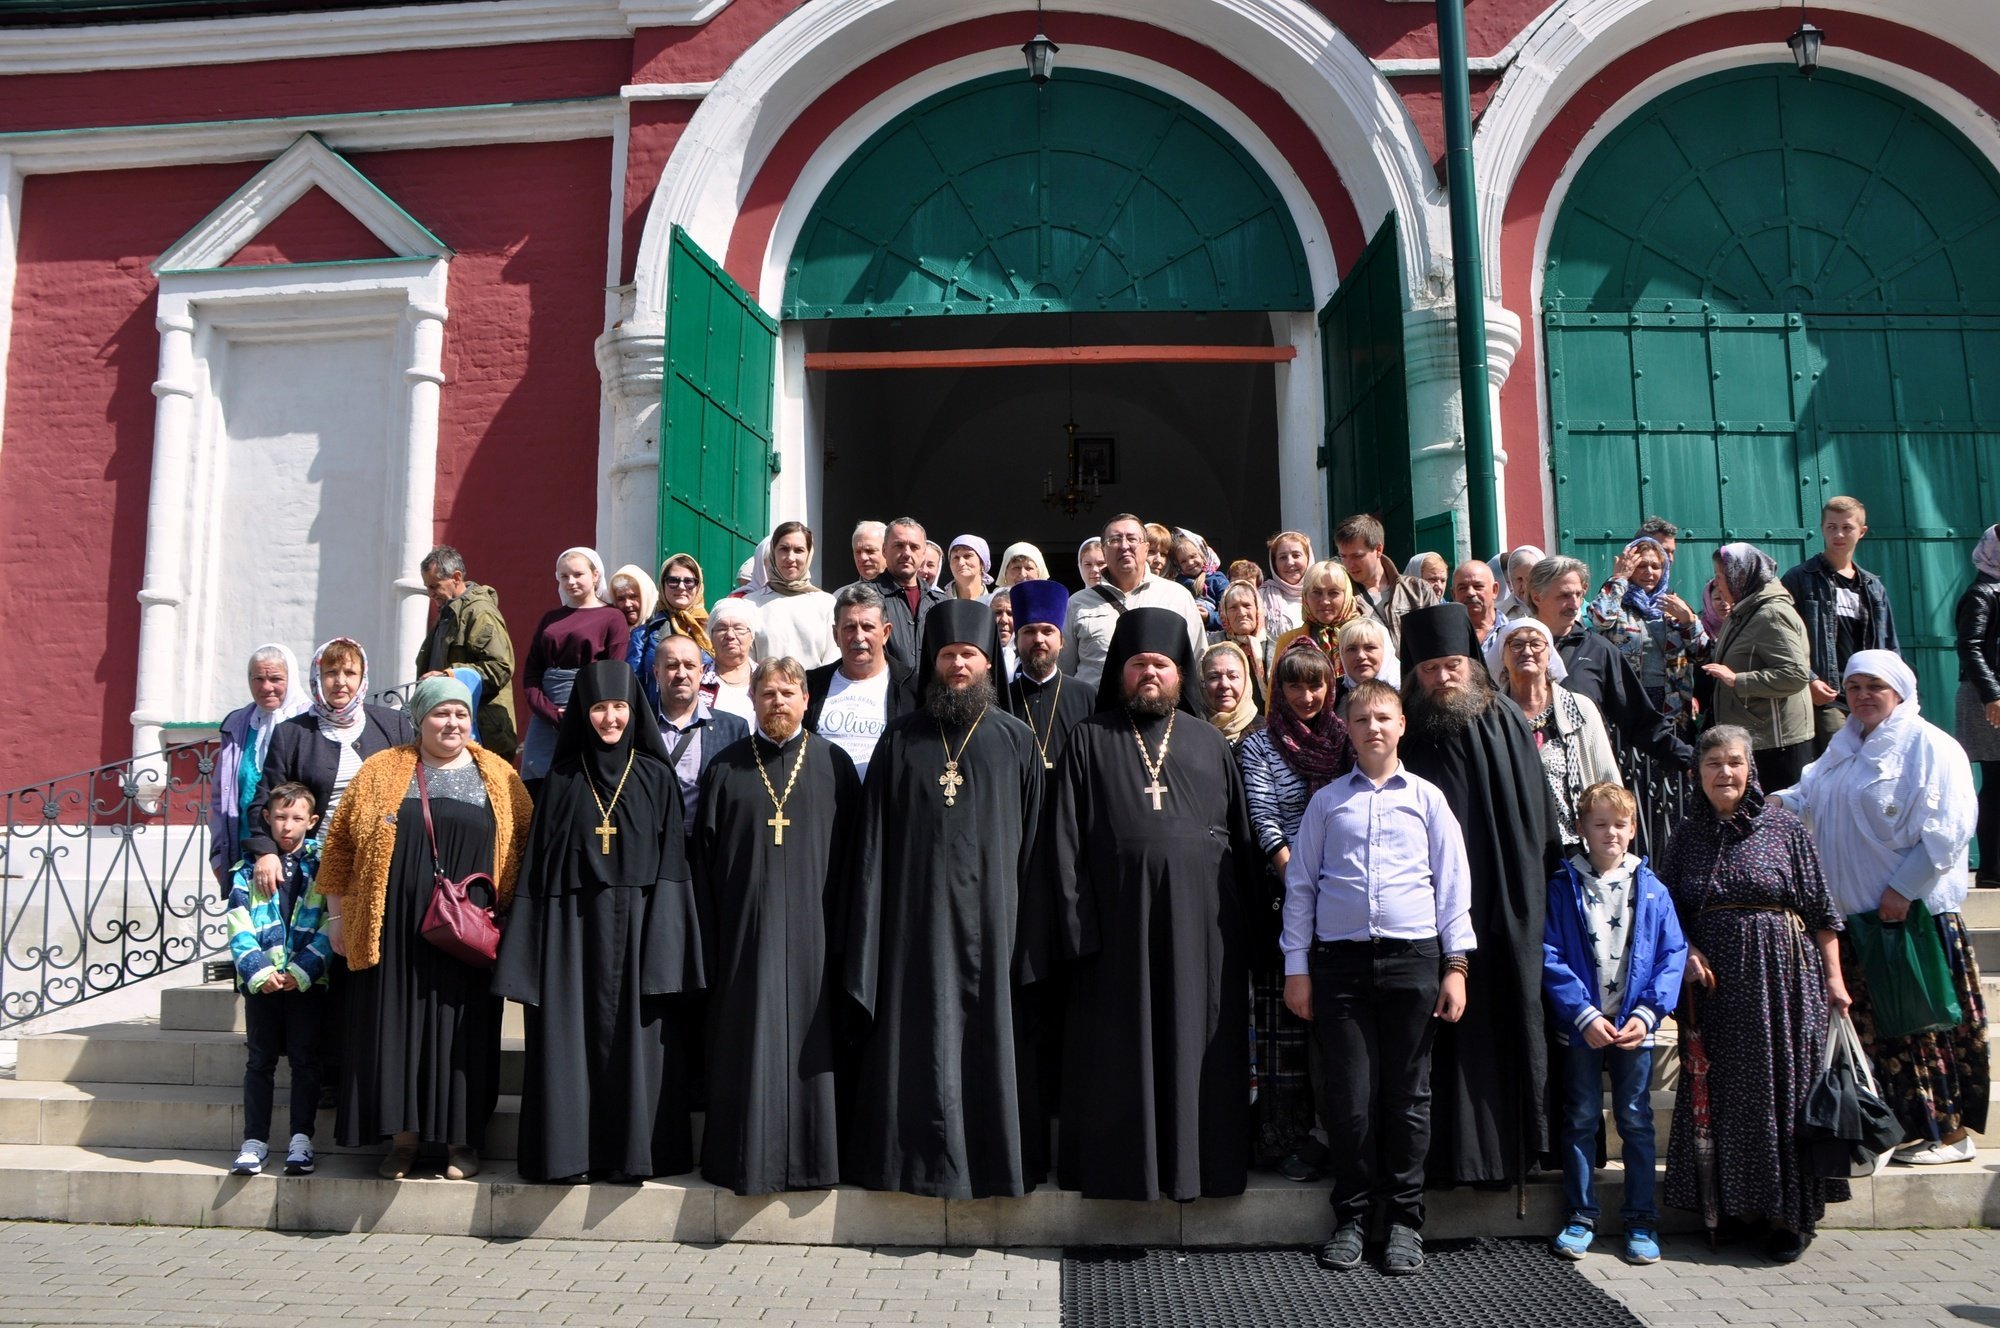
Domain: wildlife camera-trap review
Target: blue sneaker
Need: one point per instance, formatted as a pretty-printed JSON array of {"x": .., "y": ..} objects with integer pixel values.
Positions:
[
  {"x": 1573, "y": 1241},
  {"x": 1641, "y": 1245}
]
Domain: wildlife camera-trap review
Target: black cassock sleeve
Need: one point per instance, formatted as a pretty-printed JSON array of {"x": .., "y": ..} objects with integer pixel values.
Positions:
[
  {"x": 673, "y": 959},
  {"x": 1066, "y": 921}
]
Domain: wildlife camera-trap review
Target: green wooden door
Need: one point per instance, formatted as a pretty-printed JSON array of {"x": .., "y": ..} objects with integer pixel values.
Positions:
[
  {"x": 1367, "y": 451},
  {"x": 1763, "y": 291},
  {"x": 716, "y": 458}
]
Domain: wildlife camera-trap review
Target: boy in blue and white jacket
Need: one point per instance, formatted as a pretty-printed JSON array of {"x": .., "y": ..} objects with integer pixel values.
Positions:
[
  {"x": 1612, "y": 958},
  {"x": 280, "y": 948}
]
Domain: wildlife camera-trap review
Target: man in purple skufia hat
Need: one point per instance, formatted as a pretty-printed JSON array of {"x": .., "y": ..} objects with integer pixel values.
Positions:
[{"x": 1040, "y": 694}]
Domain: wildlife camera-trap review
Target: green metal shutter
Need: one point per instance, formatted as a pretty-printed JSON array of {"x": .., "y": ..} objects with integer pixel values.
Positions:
[
  {"x": 716, "y": 458},
  {"x": 1367, "y": 452},
  {"x": 1763, "y": 291}
]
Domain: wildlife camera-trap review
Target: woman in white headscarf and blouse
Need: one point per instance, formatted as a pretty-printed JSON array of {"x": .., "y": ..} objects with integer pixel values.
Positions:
[
  {"x": 586, "y": 628},
  {"x": 1891, "y": 809},
  {"x": 795, "y": 617}
]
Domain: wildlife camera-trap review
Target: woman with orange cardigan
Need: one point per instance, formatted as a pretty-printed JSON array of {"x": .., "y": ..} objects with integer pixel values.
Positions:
[{"x": 423, "y": 1029}]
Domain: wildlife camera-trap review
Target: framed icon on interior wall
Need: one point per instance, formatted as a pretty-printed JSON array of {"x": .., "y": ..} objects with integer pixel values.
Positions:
[{"x": 1097, "y": 459}]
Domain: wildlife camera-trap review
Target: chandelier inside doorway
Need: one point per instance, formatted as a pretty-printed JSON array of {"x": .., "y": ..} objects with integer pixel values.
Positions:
[{"x": 1080, "y": 487}]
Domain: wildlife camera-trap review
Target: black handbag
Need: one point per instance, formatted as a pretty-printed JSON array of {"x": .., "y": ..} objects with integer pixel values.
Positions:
[{"x": 1845, "y": 1129}]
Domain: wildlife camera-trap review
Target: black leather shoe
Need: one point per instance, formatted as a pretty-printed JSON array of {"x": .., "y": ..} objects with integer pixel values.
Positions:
[
  {"x": 1342, "y": 1251},
  {"x": 1404, "y": 1254},
  {"x": 1298, "y": 1167},
  {"x": 1784, "y": 1246}
]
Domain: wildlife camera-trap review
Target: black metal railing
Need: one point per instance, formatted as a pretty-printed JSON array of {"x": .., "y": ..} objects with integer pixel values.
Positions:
[
  {"x": 104, "y": 880},
  {"x": 1663, "y": 796}
]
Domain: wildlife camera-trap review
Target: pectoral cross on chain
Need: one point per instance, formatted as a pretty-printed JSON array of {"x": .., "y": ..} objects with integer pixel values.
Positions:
[
  {"x": 1157, "y": 790},
  {"x": 778, "y": 824},
  {"x": 950, "y": 781},
  {"x": 604, "y": 833}
]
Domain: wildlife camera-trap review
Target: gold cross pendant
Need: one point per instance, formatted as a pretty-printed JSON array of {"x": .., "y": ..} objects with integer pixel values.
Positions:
[
  {"x": 604, "y": 833},
  {"x": 778, "y": 824},
  {"x": 950, "y": 781}
]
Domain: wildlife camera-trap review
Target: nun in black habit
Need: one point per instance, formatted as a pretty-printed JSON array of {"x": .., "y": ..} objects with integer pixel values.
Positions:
[
  {"x": 944, "y": 1097},
  {"x": 1489, "y": 1093},
  {"x": 600, "y": 945},
  {"x": 1148, "y": 852}
]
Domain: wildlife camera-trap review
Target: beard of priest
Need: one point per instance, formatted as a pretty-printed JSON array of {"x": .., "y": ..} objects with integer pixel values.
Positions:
[
  {"x": 944, "y": 1100},
  {"x": 1148, "y": 848},
  {"x": 1489, "y": 1090}
]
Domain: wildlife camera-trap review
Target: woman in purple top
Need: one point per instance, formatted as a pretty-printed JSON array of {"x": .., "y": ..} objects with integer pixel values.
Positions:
[{"x": 585, "y": 629}]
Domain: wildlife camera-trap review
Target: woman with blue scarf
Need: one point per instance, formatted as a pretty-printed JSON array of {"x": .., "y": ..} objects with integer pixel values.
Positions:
[
  {"x": 276, "y": 694},
  {"x": 1653, "y": 628}
]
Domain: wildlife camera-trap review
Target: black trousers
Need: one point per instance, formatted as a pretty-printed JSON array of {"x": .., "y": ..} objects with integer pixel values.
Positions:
[
  {"x": 287, "y": 1024},
  {"x": 1780, "y": 767},
  {"x": 1372, "y": 1003},
  {"x": 1989, "y": 821}
]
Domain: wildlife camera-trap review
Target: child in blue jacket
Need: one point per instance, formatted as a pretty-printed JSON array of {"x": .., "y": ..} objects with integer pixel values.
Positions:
[
  {"x": 280, "y": 949},
  {"x": 1612, "y": 957}
]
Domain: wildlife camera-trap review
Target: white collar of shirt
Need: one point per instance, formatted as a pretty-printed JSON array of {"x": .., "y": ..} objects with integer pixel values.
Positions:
[{"x": 1396, "y": 778}]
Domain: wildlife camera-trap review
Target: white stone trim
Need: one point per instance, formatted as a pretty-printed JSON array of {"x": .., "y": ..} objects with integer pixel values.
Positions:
[
  {"x": 305, "y": 165},
  {"x": 10, "y": 249},
  {"x": 309, "y": 35},
  {"x": 185, "y": 530},
  {"x": 666, "y": 91},
  {"x": 138, "y": 147},
  {"x": 1954, "y": 107}
]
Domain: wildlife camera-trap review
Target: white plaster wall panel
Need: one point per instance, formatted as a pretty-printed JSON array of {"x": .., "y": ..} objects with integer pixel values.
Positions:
[{"x": 310, "y": 495}]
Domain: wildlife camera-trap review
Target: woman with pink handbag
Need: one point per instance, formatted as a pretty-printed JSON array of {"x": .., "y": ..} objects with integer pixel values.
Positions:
[{"x": 424, "y": 835}]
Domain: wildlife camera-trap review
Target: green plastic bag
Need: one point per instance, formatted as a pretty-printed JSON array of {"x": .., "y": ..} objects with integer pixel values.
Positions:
[{"x": 1909, "y": 980}]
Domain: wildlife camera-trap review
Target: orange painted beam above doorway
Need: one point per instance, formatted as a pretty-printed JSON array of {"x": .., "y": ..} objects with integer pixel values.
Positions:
[{"x": 1013, "y": 357}]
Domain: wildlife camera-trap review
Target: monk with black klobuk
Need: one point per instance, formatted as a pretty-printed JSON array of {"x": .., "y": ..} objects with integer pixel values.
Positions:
[{"x": 944, "y": 1087}]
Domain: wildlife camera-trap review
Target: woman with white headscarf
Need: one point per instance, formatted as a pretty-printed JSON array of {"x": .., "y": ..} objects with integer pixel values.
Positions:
[
  {"x": 1762, "y": 664},
  {"x": 277, "y": 692},
  {"x": 1569, "y": 731},
  {"x": 795, "y": 617},
  {"x": 1090, "y": 559},
  {"x": 585, "y": 629},
  {"x": 1978, "y": 712},
  {"x": 1022, "y": 561},
  {"x": 1891, "y": 808}
]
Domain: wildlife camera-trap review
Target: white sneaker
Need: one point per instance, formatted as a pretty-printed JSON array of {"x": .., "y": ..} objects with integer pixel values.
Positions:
[
  {"x": 1937, "y": 1155},
  {"x": 251, "y": 1160},
  {"x": 299, "y": 1158}
]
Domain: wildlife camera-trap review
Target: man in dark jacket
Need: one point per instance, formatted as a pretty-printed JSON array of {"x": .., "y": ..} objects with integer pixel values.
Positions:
[
  {"x": 907, "y": 598},
  {"x": 1597, "y": 669},
  {"x": 1844, "y": 608},
  {"x": 470, "y": 633}
]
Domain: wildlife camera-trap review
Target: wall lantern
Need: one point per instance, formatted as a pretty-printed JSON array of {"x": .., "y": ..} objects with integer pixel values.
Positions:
[
  {"x": 1805, "y": 44},
  {"x": 1041, "y": 52}
]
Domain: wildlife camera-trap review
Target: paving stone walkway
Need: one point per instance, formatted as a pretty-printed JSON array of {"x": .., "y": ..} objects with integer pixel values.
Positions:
[{"x": 70, "y": 1275}]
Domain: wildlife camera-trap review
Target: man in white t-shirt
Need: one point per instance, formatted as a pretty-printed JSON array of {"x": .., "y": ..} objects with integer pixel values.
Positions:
[{"x": 851, "y": 701}]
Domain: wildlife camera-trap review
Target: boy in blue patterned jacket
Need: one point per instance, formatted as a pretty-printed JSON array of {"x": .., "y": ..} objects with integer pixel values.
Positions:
[
  {"x": 1612, "y": 959},
  {"x": 280, "y": 948}
]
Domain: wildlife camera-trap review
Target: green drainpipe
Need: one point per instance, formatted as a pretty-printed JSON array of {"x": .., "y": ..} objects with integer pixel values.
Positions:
[{"x": 1481, "y": 497}]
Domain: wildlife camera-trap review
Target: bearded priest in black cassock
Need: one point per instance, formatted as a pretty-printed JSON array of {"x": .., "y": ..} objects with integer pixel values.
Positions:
[
  {"x": 1489, "y": 1071},
  {"x": 599, "y": 945},
  {"x": 944, "y": 1100},
  {"x": 771, "y": 847},
  {"x": 1147, "y": 844}
]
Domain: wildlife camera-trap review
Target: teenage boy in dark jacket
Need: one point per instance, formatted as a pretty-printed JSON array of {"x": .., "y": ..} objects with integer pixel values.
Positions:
[{"x": 1844, "y": 608}]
